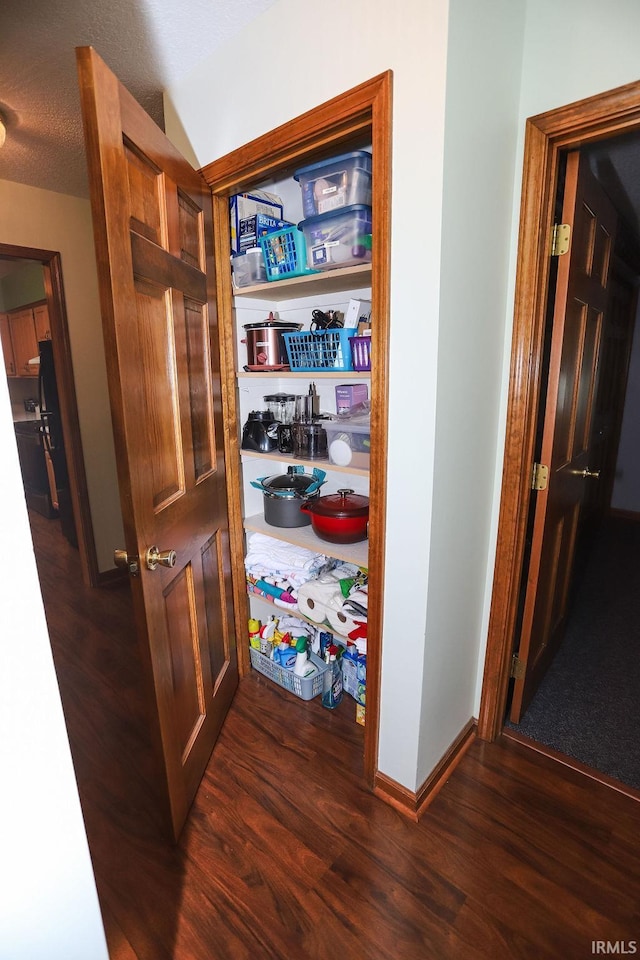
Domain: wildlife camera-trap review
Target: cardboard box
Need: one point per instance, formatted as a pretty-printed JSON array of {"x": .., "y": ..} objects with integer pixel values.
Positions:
[
  {"x": 356, "y": 311},
  {"x": 351, "y": 395},
  {"x": 251, "y": 228},
  {"x": 244, "y": 205}
]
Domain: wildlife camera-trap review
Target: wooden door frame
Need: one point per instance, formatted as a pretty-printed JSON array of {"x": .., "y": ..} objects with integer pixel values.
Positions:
[
  {"x": 54, "y": 291},
  {"x": 362, "y": 112},
  {"x": 577, "y": 124}
]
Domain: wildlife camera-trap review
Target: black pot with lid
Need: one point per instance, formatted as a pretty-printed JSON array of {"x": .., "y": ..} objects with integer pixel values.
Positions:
[{"x": 285, "y": 493}]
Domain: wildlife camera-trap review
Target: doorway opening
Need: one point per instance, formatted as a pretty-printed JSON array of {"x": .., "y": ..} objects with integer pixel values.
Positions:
[
  {"x": 29, "y": 273},
  {"x": 548, "y": 137}
]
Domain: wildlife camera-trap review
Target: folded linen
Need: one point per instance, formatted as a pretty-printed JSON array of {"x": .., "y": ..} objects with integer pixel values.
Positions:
[{"x": 279, "y": 555}]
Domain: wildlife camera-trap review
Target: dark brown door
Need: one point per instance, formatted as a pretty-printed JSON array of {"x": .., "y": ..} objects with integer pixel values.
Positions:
[
  {"x": 152, "y": 224},
  {"x": 578, "y": 318}
]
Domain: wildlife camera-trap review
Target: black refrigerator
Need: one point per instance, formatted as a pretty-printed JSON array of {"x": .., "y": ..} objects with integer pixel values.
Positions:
[{"x": 53, "y": 439}]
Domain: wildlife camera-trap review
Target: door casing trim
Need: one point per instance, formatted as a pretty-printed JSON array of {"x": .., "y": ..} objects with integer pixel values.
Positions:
[
  {"x": 54, "y": 291},
  {"x": 577, "y": 124}
]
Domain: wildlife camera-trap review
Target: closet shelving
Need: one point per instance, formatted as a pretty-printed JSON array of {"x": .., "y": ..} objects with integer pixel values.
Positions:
[{"x": 350, "y": 121}]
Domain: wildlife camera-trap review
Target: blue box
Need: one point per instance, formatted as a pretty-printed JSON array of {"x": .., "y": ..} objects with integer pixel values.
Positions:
[
  {"x": 244, "y": 205},
  {"x": 250, "y": 229}
]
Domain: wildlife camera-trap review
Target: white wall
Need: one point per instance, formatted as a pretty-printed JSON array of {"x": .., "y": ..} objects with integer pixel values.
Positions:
[
  {"x": 53, "y": 221},
  {"x": 49, "y": 907},
  {"x": 224, "y": 105},
  {"x": 481, "y": 126}
]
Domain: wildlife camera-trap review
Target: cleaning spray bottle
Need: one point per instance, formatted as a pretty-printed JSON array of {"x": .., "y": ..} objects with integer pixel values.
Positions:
[
  {"x": 332, "y": 680},
  {"x": 303, "y": 666}
]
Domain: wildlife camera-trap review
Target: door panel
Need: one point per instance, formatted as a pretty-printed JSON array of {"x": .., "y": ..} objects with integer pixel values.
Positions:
[
  {"x": 153, "y": 229},
  {"x": 579, "y": 311}
]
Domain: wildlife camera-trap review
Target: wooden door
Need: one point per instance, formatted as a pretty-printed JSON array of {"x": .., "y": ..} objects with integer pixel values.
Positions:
[
  {"x": 578, "y": 317},
  {"x": 153, "y": 230}
]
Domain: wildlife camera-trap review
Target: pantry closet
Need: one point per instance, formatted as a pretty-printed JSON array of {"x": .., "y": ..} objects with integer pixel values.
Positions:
[{"x": 358, "y": 120}]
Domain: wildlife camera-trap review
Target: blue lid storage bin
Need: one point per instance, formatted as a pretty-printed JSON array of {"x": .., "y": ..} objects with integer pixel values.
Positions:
[
  {"x": 341, "y": 238},
  {"x": 319, "y": 350},
  {"x": 285, "y": 254},
  {"x": 336, "y": 183}
]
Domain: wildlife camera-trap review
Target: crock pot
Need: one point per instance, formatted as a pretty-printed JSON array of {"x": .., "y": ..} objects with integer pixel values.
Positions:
[
  {"x": 285, "y": 494},
  {"x": 265, "y": 343},
  {"x": 341, "y": 517}
]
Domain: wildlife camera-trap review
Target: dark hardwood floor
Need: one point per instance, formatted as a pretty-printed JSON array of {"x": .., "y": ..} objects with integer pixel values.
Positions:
[{"x": 286, "y": 856}]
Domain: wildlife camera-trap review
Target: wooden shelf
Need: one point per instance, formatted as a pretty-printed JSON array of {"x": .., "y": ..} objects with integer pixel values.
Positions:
[
  {"x": 307, "y": 375},
  {"x": 329, "y": 281},
  {"x": 288, "y": 458},
  {"x": 357, "y": 553}
]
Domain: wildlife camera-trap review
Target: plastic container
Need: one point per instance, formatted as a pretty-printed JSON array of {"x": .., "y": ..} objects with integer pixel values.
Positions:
[
  {"x": 336, "y": 183},
  {"x": 361, "y": 352},
  {"x": 349, "y": 441},
  {"x": 319, "y": 350},
  {"x": 306, "y": 688},
  {"x": 338, "y": 239},
  {"x": 285, "y": 254},
  {"x": 248, "y": 268}
]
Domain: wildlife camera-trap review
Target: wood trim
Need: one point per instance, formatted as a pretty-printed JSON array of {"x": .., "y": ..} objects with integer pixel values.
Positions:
[
  {"x": 364, "y": 112},
  {"x": 413, "y": 805},
  {"x": 55, "y": 299},
  {"x": 576, "y": 124},
  {"x": 572, "y": 764},
  {"x": 631, "y": 515}
]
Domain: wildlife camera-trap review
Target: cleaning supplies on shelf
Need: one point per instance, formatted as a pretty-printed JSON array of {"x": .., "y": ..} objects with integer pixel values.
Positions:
[
  {"x": 303, "y": 667},
  {"x": 332, "y": 680}
]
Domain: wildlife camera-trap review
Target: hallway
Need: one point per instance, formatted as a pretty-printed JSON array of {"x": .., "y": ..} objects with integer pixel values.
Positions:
[
  {"x": 588, "y": 704},
  {"x": 287, "y": 855}
]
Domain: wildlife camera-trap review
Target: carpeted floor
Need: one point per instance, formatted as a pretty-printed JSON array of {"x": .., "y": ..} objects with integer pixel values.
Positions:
[{"x": 588, "y": 705}]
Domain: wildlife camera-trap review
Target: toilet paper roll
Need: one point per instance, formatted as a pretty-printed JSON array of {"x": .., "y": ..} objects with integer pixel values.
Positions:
[{"x": 341, "y": 622}]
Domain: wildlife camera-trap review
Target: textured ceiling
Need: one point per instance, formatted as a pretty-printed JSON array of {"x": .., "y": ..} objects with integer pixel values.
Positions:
[{"x": 147, "y": 43}]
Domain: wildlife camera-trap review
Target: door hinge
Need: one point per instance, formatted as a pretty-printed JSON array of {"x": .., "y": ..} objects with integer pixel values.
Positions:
[
  {"x": 539, "y": 476},
  {"x": 560, "y": 238},
  {"x": 518, "y": 667}
]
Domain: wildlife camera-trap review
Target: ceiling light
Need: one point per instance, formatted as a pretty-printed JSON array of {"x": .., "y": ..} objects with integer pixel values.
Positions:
[{"x": 3, "y": 130}]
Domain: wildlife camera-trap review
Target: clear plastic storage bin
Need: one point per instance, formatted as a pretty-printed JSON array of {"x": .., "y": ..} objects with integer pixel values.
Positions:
[
  {"x": 249, "y": 268},
  {"x": 336, "y": 183},
  {"x": 349, "y": 441},
  {"x": 338, "y": 239}
]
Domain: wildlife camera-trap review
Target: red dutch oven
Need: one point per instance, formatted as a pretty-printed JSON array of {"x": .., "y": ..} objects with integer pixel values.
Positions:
[{"x": 340, "y": 517}]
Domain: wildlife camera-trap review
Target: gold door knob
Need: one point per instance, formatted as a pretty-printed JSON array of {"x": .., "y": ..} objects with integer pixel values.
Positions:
[
  {"x": 164, "y": 558},
  {"x": 590, "y": 473},
  {"x": 121, "y": 559}
]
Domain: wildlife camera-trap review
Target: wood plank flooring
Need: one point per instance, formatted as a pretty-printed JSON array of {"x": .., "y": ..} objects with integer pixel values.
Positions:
[{"x": 286, "y": 856}]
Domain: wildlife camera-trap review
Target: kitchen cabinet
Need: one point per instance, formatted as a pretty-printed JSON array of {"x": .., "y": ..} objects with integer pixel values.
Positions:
[
  {"x": 26, "y": 326},
  {"x": 355, "y": 120},
  {"x": 41, "y": 320},
  {"x": 7, "y": 345},
  {"x": 25, "y": 342}
]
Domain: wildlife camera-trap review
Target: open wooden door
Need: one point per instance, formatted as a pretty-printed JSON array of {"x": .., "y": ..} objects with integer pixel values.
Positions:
[
  {"x": 153, "y": 232},
  {"x": 580, "y": 304}
]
